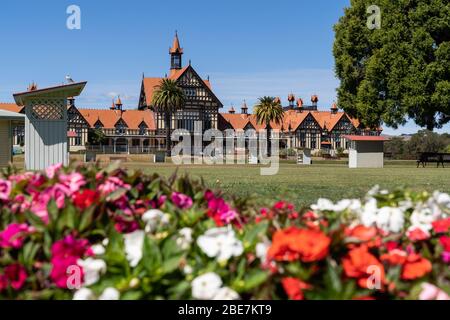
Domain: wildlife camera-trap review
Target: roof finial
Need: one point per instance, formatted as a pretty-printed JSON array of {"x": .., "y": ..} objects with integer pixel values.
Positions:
[{"x": 190, "y": 62}]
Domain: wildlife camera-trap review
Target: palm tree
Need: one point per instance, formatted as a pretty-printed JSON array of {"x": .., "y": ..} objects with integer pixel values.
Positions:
[
  {"x": 168, "y": 98},
  {"x": 266, "y": 110}
]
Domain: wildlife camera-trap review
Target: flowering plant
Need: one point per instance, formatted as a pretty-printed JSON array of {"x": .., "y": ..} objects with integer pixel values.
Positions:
[{"x": 90, "y": 233}]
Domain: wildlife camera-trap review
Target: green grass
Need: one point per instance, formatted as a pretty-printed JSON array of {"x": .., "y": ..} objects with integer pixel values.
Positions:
[{"x": 302, "y": 185}]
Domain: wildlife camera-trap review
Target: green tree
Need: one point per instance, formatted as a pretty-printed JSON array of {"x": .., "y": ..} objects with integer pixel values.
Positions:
[
  {"x": 396, "y": 146},
  {"x": 268, "y": 109},
  {"x": 426, "y": 141},
  {"x": 398, "y": 71},
  {"x": 167, "y": 99},
  {"x": 96, "y": 136}
]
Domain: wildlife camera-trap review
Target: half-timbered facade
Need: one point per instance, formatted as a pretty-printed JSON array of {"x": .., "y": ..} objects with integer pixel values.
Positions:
[
  {"x": 302, "y": 126},
  {"x": 201, "y": 109}
]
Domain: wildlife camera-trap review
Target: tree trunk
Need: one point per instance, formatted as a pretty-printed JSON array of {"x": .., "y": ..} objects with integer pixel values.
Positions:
[{"x": 168, "y": 120}]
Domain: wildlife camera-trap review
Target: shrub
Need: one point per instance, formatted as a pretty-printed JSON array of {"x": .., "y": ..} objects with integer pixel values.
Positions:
[{"x": 91, "y": 233}]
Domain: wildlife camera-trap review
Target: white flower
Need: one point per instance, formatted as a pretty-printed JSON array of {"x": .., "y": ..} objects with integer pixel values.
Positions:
[
  {"x": 98, "y": 249},
  {"x": 133, "y": 246},
  {"x": 226, "y": 293},
  {"x": 92, "y": 269},
  {"x": 261, "y": 250},
  {"x": 422, "y": 217},
  {"x": 153, "y": 218},
  {"x": 105, "y": 242},
  {"x": 390, "y": 219},
  {"x": 187, "y": 269},
  {"x": 220, "y": 243},
  {"x": 109, "y": 294},
  {"x": 206, "y": 286},
  {"x": 442, "y": 199},
  {"x": 368, "y": 214},
  {"x": 134, "y": 282},
  {"x": 83, "y": 294},
  {"x": 185, "y": 238},
  {"x": 323, "y": 205}
]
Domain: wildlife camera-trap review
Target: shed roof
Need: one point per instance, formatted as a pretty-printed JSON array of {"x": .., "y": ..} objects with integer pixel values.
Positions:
[
  {"x": 65, "y": 91},
  {"x": 9, "y": 115}
]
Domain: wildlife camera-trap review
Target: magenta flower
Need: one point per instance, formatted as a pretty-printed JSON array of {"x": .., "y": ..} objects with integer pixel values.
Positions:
[
  {"x": 20, "y": 204},
  {"x": 5, "y": 189},
  {"x": 181, "y": 200},
  {"x": 65, "y": 254},
  {"x": 53, "y": 170},
  {"x": 16, "y": 275},
  {"x": 220, "y": 211},
  {"x": 14, "y": 235}
]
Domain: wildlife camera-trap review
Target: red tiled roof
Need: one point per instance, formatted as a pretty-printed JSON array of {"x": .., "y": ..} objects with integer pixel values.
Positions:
[
  {"x": 365, "y": 138},
  {"x": 109, "y": 118},
  {"x": 11, "y": 107},
  {"x": 150, "y": 84},
  {"x": 327, "y": 119}
]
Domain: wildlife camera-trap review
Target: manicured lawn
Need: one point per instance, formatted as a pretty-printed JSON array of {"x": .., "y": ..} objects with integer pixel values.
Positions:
[{"x": 303, "y": 185}]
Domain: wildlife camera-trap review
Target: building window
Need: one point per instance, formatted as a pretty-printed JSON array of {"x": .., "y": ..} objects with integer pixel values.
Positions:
[
  {"x": 77, "y": 138},
  {"x": 120, "y": 129},
  {"x": 142, "y": 130},
  {"x": 313, "y": 141}
]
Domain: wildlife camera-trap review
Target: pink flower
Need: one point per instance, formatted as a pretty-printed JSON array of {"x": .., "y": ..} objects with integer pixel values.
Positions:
[
  {"x": 16, "y": 275},
  {"x": 65, "y": 254},
  {"x": 112, "y": 184},
  {"x": 220, "y": 211},
  {"x": 124, "y": 225},
  {"x": 181, "y": 200},
  {"x": 5, "y": 189},
  {"x": 20, "y": 204},
  {"x": 20, "y": 177},
  {"x": 14, "y": 235},
  {"x": 74, "y": 181},
  {"x": 59, "y": 192},
  {"x": 431, "y": 292},
  {"x": 53, "y": 170}
]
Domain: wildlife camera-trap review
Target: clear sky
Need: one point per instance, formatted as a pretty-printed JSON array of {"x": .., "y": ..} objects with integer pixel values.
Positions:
[{"x": 248, "y": 48}]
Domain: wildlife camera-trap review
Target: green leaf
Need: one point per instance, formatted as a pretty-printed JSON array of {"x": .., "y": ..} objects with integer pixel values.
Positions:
[
  {"x": 332, "y": 277},
  {"x": 151, "y": 256},
  {"x": 116, "y": 194},
  {"x": 254, "y": 279},
  {"x": 252, "y": 234},
  {"x": 53, "y": 211},
  {"x": 86, "y": 219}
]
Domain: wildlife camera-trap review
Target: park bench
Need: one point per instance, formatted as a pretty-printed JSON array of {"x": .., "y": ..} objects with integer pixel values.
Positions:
[{"x": 433, "y": 157}]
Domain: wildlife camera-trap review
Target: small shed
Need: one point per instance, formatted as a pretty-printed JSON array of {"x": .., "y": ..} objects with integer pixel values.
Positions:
[
  {"x": 7, "y": 118},
  {"x": 46, "y": 124},
  {"x": 365, "y": 151}
]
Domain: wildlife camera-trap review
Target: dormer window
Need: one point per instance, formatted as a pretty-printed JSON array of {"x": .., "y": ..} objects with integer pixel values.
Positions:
[
  {"x": 143, "y": 129},
  {"x": 121, "y": 129},
  {"x": 98, "y": 125}
]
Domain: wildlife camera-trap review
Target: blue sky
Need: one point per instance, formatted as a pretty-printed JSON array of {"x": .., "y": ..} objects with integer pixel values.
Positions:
[{"x": 248, "y": 48}]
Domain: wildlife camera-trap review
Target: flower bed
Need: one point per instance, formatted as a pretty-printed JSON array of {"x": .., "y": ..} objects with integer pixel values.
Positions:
[{"x": 91, "y": 233}]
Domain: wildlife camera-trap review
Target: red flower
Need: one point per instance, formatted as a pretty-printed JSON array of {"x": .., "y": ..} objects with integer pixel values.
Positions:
[
  {"x": 293, "y": 243},
  {"x": 15, "y": 275},
  {"x": 294, "y": 288},
  {"x": 445, "y": 242},
  {"x": 415, "y": 267},
  {"x": 359, "y": 264},
  {"x": 417, "y": 234},
  {"x": 441, "y": 226},
  {"x": 367, "y": 235},
  {"x": 395, "y": 257},
  {"x": 85, "y": 199}
]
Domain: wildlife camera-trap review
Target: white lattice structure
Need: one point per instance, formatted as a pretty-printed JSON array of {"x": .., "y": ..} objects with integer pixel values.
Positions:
[{"x": 46, "y": 124}]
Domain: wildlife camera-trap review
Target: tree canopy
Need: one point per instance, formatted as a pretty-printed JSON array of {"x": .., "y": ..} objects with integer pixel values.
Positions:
[{"x": 398, "y": 71}]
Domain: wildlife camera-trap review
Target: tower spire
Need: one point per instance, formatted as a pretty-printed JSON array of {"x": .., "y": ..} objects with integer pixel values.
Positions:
[{"x": 175, "y": 53}]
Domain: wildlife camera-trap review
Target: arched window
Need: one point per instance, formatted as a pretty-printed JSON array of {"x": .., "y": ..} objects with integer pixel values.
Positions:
[{"x": 143, "y": 129}]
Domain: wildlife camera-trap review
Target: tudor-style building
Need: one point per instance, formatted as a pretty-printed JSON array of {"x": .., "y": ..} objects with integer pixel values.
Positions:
[
  {"x": 303, "y": 126},
  {"x": 201, "y": 110}
]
